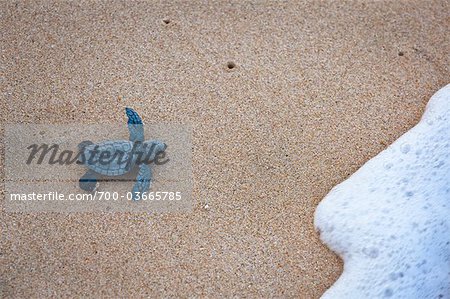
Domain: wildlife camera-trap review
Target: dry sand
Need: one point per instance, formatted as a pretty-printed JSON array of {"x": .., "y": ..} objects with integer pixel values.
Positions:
[{"x": 318, "y": 89}]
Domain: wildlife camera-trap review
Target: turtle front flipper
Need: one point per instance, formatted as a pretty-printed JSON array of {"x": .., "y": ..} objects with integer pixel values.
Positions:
[
  {"x": 88, "y": 181},
  {"x": 135, "y": 126},
  {"x": 143, "y": 181}
]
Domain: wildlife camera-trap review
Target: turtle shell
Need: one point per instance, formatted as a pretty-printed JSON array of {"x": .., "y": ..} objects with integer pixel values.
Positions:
[{"x": 109, "y": 157}]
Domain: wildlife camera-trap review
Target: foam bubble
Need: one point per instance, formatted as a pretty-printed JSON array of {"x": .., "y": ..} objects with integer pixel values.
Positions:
[{"x": 391, "y": 219}]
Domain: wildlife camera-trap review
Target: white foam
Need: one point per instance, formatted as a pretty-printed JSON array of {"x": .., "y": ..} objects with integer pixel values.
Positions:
[{"x": 390, "y": 221}]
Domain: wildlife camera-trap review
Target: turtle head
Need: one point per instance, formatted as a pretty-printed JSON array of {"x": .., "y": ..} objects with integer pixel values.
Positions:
[{"x": 153, "y": 147}]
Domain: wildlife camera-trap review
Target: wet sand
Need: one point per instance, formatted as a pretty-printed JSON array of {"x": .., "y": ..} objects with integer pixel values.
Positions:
[{"x": 285, "y": 99}]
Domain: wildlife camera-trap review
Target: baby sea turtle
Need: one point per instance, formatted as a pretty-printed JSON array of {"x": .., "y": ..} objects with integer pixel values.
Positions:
[{"x": 114, "y": 158}]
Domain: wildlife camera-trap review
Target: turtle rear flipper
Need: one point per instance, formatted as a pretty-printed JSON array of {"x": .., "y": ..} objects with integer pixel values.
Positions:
[
  {"x": 88, "y": 181},
  {"x": 81, "y": 151},
  {"x": 82, "y": 145}
]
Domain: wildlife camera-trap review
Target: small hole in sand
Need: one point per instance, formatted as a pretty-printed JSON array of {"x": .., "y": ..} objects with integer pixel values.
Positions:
[
  {"x": 166, "y": 21},
  {"x": 401, "y": 53},
  {"x": 231, "y": 65}
]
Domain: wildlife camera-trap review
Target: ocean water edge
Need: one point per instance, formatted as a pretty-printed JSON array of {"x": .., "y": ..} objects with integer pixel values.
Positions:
[{"x": 390, "y": 220}]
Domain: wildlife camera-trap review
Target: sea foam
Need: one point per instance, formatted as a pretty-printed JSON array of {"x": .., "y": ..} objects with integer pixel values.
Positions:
[{"x": 390, "y": 221}]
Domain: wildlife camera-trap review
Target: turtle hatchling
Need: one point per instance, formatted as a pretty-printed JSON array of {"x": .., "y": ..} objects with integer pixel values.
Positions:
[{"x": 118, "y": 157}]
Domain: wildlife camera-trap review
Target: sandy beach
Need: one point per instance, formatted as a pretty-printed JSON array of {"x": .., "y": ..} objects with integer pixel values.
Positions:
[{"x": 286, "y": 100}]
